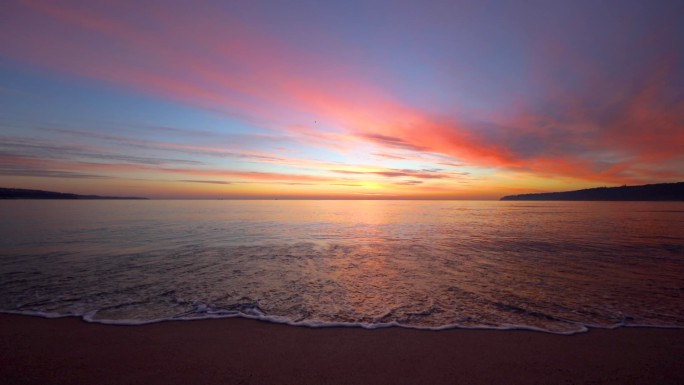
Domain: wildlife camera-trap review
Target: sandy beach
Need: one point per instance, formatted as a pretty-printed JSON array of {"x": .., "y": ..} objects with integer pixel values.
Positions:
[{"x": 239, "y": 351}]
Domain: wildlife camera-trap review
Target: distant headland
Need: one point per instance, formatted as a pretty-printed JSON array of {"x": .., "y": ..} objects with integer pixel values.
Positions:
[
  {"x": 18, "y": 193},
  {"x": 649, "y": 192}
]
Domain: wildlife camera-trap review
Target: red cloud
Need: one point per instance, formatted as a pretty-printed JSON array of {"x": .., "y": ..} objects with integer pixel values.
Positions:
[{"x": 214, "y": 61}]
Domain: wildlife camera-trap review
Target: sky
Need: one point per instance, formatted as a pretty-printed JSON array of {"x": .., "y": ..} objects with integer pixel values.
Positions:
[{"x": 340, "y": 100}]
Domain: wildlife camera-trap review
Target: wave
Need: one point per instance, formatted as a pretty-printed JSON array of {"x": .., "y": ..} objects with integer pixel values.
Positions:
[{"x": 204, "y": 313}]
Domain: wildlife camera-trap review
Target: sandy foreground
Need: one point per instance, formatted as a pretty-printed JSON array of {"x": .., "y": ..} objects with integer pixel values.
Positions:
[{"x": 239, "y": 351}]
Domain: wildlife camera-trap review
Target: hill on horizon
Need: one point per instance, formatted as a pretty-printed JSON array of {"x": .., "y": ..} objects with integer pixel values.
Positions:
[
  {"x": 649, "y": 192},
  {"x": 18, "y": 193}
]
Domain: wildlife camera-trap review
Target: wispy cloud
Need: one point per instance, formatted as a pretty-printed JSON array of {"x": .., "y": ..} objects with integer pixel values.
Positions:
[
  {"x": 394, "y": 173},
  {"x": 43, "y": 149},
  {"x": 392, "y": 142},
  {"x": 204, "y": 181},
  {"x": 48, "y": 173},
  {"x": 563, "y": 106}
]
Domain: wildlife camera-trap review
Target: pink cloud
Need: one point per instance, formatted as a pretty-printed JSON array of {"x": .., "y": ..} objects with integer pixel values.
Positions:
[{"x": 215, "y": 61}]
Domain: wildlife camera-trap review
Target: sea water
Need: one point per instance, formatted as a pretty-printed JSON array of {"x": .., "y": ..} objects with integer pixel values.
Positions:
[{"x": 559, "y": 267}]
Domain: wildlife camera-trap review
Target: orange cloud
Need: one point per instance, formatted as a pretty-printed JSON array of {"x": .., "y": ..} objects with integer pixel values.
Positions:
[{"x": 219, "y": 63}]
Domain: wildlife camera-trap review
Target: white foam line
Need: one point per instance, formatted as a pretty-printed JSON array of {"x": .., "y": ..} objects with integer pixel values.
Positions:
[
  {"x": 41, "y": 314},
  {"x": 89, "y": 317}
]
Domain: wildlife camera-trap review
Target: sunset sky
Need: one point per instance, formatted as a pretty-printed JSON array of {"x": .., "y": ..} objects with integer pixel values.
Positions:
[{"x": 348, "y": 99}]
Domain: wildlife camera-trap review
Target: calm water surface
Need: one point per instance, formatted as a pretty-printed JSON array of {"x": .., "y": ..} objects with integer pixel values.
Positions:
[{"x": 554, "y": 266}]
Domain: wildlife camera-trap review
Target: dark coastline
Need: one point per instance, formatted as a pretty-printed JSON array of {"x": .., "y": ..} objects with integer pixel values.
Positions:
[
  {"x": 35, "y": 350},
  {"x": 649, "y": 192},
  {"x": 17, "y": 193}
]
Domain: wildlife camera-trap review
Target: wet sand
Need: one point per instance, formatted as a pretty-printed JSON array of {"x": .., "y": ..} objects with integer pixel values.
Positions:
[{"x": 238, "y": 351}]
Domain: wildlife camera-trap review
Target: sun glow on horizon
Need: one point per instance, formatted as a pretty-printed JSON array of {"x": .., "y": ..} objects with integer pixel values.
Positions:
[{"x": 244, "y": 100}]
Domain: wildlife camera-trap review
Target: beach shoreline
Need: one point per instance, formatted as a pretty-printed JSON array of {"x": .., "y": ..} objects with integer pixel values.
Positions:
[{"x": 36, "y": 350}]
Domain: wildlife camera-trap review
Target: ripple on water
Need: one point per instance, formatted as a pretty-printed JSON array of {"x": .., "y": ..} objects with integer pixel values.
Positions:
[{"x": 557, "y": 268}]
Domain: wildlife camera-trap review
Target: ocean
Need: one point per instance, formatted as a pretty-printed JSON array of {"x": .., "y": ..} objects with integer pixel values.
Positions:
[{"x": 558, "y": 267}]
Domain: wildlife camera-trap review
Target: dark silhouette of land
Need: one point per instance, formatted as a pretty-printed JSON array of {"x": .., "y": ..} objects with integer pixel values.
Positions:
[
  {"x": 18, "y": 193},
  {"x": 649, "y": 192}
]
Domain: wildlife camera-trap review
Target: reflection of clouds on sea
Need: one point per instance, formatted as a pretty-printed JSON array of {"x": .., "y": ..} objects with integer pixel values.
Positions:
[{"x": 552, "y": 266}]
